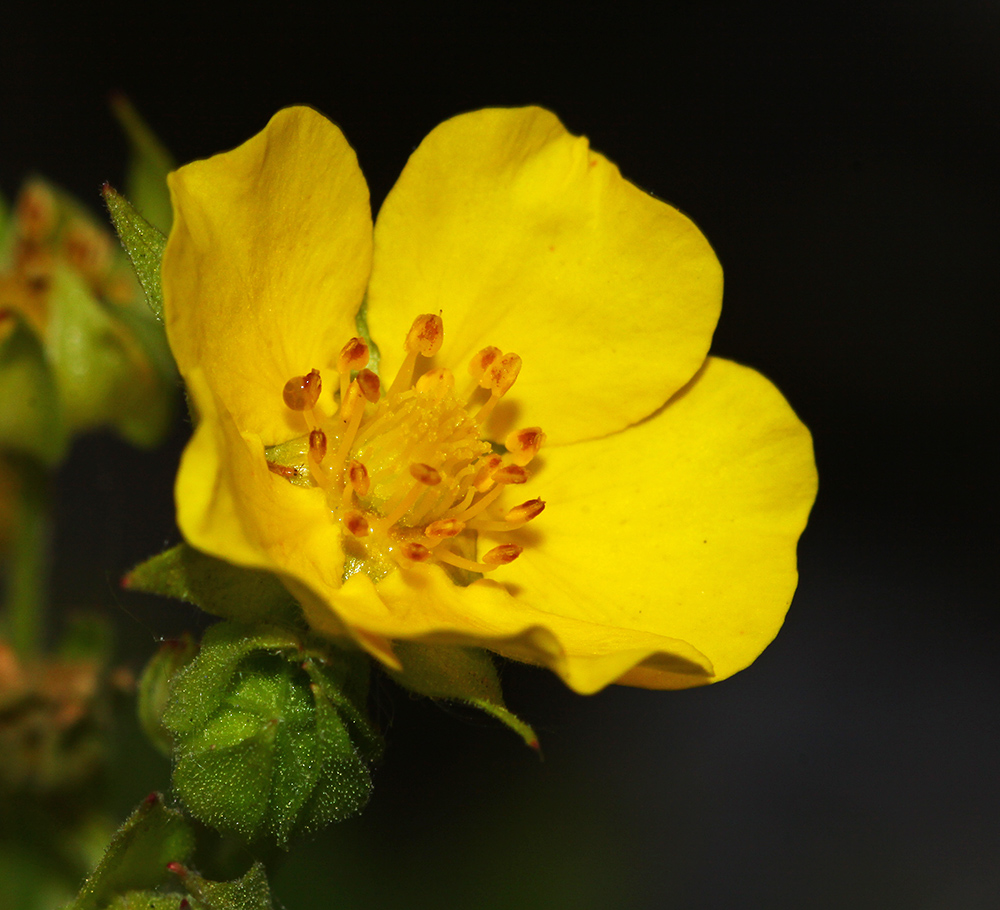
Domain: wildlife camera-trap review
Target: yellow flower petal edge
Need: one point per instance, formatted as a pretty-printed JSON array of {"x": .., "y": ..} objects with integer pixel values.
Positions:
[
  {"x": 525, "y": 238},
  {"x": 685, "y": 525},
  {"x": 267, "y": 263}
]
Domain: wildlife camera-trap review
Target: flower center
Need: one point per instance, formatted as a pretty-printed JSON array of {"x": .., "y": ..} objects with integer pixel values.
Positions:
[{"x": 407, "y": 473}]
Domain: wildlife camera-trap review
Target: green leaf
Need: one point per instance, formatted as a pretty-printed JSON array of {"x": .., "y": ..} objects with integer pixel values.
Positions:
[
  {"x": 459, "y": 674},
  {"x": 138, "y": 855},
  {"x": 149, "y": 164},
  {"x": 216, "y": 586},
  {"x": 143, "y": 244},
  {"x": 261, "y": 749},
  {"x": 248, "y": 893}
]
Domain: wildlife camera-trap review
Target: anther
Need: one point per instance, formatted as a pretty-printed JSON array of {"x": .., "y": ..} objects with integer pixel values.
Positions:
[
  {"x": 504, "y": 373},
  {"x": 480, "y": 364},
  {"x": 356, "y": 523},
  {"x": 352, "y": 403},
  {"x": 426, "y": 335},
  {"x": 525, "y": 511},
  {"x": 502, "y": 555},
  {"x": 436, "y": 383},
  {"x": 357, "y": 477},
  {"x": 353, "y": 356},
  {"x": 484, "y": 476},
  {"x": 523, "y": 445},
  {"x": 370, "y": 385},
  {"x": 317, "y": 445},
  {"x": 415, "y": 552},
  {"x": 425, "y": 474},
  {"x": 302, "y": 392},
  {"x": 444, "y": 528},
  {"x": 514, "y": 518},
  {"x": 510, "y": 473}
]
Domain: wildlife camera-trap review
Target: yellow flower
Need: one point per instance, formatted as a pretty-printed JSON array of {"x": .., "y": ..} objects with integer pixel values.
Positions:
[{"x": 674, "y": 487}]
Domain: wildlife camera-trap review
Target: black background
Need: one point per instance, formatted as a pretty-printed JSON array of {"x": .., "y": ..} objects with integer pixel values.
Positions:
[{"x": 844, "y": 165}]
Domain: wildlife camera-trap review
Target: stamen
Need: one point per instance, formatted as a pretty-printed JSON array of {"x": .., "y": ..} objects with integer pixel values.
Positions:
[
  {"x": 425, "y": 337},
  {"x": 317, "y": 445},
  {"x": 511, "y": 473},
  {"x": 353, "y": 356},
  {"x": 480, "y": 364},
  {"x": 436, "y": 383},
  {"x": 484, "y": 476},
  {"x": 502, "y": 375},
  {"x": 502, "y": 555},
  {"x": 425, "y": 476},
  {"x": 523, "y": 445},
  {"x": 415, "y": 552},
  {"x": 358, "y": 479},
  {"x": 356, "y": 523},
  {"x": 302, "y": 392},
  {"x": 370, "y": 385},
  {"x": 514, "y": 518},
  {"x": 444, "y": 528},
  {"x": 498, "y": 556}
]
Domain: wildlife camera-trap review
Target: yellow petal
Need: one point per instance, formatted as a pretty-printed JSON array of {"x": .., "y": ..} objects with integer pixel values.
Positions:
[
  {"x": 683, "y": 526},
  {"x": 423, "y": 604},
  {"x": 526, "y": 239},
  {"x": 266, "y": 265},
  {"x": 230, "y": 505}
]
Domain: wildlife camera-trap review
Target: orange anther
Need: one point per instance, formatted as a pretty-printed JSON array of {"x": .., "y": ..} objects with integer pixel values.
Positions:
[
  {"x": 370, "y": 385},
  {"x": 484, "y": 476},
  {"x": 356, "y": 523},
  {"x": 352, "y": 403},
  {"x": 36, "y": 212},
  {"x": 523, "y": 445},
  {"x": 503, "y": 373},
  {"x": 437, "y": 383},
  {"x": 446, "y": 527},
  {"x": 525, "y": 511},
  {"x": 511, "y": 473},
  {"x": 353, "y": 356},
  {"x": 317, "y": 445},
  {"x": 500, "y": 556},
  {"x": 416, "y": 552},
  {"x": 480, "y": 364},
  {"x": 425, "y": 474},
  {"x": 357, "y": 476},
  {"x": 426, "y": 335},
  {"x": 302, "y": 392}
]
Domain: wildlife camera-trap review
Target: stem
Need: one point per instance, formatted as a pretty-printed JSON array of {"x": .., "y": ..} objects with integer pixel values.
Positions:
[{"x": 28, "y": 558}]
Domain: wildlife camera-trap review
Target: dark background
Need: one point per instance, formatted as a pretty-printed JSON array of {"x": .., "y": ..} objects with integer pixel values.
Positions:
[{"x": 845, "y": 167}]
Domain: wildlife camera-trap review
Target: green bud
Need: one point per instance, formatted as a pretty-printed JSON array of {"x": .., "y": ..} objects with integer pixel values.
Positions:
[
  {"x": 270, "y": 739},
  {"x": 154, "y": 688},
  {"x": 101, "y": 359}
]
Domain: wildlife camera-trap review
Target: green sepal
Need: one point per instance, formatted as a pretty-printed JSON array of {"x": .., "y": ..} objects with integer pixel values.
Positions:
[
  {"x": 31, "y": 419},
  {"x": 138, "y": 855},
  {"x": 154, "y": 688},
  {"x": 149, "y": 164},
  {"x": 143, "y": 243},
  {"x": 270, "y": 736},
  {"x": 251, "y": 892},
  {"x": 217, "y": 587},
  {"x": 457, "y": 674}
]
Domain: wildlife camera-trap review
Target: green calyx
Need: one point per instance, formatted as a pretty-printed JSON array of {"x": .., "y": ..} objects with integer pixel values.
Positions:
[{"x": 269, "y": 733}]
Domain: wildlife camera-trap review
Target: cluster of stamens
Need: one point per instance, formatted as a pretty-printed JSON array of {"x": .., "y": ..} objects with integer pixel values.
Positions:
[{"x": 406, "y": 471}]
